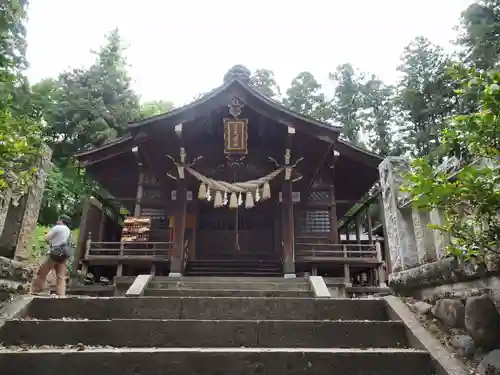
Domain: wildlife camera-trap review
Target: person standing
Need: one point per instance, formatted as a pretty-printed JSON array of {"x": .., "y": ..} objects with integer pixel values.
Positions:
[{"x": 58, "y": 239}]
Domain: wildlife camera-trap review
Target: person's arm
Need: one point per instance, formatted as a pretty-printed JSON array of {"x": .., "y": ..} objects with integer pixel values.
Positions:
[{"x": 48, "y": 236}]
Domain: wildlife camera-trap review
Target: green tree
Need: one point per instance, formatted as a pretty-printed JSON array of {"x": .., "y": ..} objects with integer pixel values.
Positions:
[
  {"x": 154, "y": 108},
  {"x": 378, "y": 115},
  {"x": 83, "y": 108},
  {"x": 425, "y": 95},
  {"x": 305, "y": 96},
  {"x": 89, "y": 107},
  {"x": 347, "y": 101},
  {"x": 471, "y": 199},
  {"x": 480, "y": 34},
  {"x": 265, "y": 82},
  {"x": 20, "y": 134}
]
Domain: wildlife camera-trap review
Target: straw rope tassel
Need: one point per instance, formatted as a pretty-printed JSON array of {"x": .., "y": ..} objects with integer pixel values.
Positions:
[
  {"x": 202, "y": 191},
  {"x": 218, "y": 199},
  {"x": 266, "y": 193},
  {"x": 233, "y": 201},
  {"x": 249, "y": 200}
]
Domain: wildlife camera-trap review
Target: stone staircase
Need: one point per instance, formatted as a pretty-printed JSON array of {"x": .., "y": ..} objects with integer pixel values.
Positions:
[
  {"x": 228, "y": 287},
  {"x": 211, "y": 326},
  {"x": 234, "y": 267}
]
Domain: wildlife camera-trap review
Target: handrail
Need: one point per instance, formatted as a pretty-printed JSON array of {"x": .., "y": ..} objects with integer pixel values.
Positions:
[{"x": 122, "y": 249}]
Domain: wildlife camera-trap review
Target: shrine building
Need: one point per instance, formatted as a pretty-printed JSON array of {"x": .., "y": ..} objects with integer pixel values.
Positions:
[{"x": 232, "y": 184}]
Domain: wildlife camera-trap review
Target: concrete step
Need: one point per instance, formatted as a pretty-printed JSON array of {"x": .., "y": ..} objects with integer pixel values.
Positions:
[
  {"x": 228, "y": 285},
  {"x": 169, "y": 292},
  {"x": 205, "y": 333},
  {"x": 213, "y": 361},
  {"x": 271, "y": 279},
  {"x": 216, "y": 308},
  {"x": 225, "y": 272}
]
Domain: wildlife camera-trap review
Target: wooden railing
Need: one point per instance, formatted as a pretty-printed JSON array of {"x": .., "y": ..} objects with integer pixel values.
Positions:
[
  {"x": 129, "y": 249},
  {"x": 325, "y": 251}
]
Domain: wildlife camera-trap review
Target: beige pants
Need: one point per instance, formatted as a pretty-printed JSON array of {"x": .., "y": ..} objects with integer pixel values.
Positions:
[{"x": 43, "y": 271}]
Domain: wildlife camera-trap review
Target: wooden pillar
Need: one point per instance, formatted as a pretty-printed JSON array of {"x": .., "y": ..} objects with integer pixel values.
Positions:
[
  {"x": 288, "y": 230},
  {"x": 334, "y": 231},
  {"x": 358, "y": 227},
  {"x": 277, "y": 228},
  {"x": 138, "y": 197},
  {"x": 82, "y": 239},
  {"x": 102, "y": 223},
  {"x": 176, "y": 261},
  {"x": 369, "y": 224}
]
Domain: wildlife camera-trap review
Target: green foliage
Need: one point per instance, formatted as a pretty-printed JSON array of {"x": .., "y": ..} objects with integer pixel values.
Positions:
[
  {"x": 20, "y": 134},
  {"x": 305, "y": 96},
  {"x": 84, "y": 108},
  {"x": 347, "y": 101},
  {"x": 425, "y": 95},
  {"x": 480, "y": 31},
  {"x": 265, "y": 82},
  {"x": 154, "y": 108},
  {"x": 470, "y": 200}
]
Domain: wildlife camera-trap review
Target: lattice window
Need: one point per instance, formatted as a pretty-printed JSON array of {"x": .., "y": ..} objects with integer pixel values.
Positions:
[
  {"x": 152, "y": 194},
  {"x": 318, "y": 196},
  {"x": 313, "y": 221}
]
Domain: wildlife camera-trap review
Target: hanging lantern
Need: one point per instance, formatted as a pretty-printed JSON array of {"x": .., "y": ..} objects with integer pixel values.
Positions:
[
  {"x": 224, "y": 199},
  {"x": 240, "y": 199},
  {"x": 208, "y": 196}
]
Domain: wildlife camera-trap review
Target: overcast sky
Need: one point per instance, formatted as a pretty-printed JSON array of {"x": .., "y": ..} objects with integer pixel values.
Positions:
[{"x": 179, "y": 48}]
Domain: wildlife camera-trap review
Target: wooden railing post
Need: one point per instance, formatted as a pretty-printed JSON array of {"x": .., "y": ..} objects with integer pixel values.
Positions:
[
  {"x": 378, "y": 249},
  {"x": 88, "y": 243},
  {"x": 119, "y": 269},
  {"x": 347, "y": 270},
  {"x": 381, "y": 267}
]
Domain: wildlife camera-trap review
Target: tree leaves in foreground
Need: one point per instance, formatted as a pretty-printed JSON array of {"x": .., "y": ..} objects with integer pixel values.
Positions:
[
  {"x": 470, "y": 200},
  {"x": 20, "y": 134}
]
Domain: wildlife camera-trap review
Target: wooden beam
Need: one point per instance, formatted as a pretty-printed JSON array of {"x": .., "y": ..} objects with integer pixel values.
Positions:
[{"x": 320, "y": 165}]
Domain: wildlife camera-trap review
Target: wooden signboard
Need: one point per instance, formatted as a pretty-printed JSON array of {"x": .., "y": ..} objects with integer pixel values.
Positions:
[
  {"x": 235, "y": 136},
  {"x": 136, "y": 229}
]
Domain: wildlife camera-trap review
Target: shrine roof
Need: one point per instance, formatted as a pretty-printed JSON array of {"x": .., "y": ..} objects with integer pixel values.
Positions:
[{"x": 237, "y": 85}]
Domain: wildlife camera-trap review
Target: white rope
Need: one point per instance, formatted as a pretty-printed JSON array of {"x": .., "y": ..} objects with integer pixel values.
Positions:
[{"x": 237, "y": 187}]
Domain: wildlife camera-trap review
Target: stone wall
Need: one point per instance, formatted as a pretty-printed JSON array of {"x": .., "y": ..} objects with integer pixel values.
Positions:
[
  {"x": 463, "y": 297},
  {"x": 417, "y": 252},
  {"x": 14, "y": 277},
  {"x": 18, "y": 217},
  {"x": 409, "y": 239}
]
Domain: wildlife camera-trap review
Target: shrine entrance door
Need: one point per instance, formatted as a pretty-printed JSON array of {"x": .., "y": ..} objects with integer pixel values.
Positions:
[{"x": 239, "y": 234}]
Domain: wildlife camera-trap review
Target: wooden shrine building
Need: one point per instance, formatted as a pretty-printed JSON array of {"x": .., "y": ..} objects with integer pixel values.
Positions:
[{"x": 233, "y": 183}]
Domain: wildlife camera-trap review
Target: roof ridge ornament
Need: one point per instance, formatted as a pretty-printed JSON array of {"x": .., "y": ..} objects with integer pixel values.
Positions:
[
  {"x": 238, "y": 72},
  {"x": 235, "y": 107}
]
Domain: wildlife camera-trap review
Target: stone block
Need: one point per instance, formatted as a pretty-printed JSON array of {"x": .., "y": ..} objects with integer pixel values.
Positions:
[
  {"x": 215, "y": 361},
  {"x": 398, "y": 220}
]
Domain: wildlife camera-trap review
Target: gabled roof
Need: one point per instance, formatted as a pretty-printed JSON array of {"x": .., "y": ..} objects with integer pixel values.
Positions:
[
  {"x": 238, "y": 86},
  {"x": 248, "y": 95}
]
